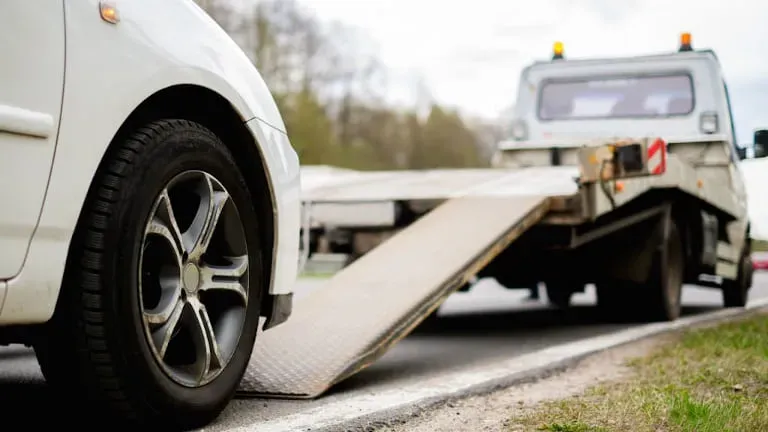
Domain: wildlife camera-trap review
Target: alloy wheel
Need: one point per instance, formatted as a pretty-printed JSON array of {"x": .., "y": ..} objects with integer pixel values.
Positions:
[{"x": 193, "y": 285}]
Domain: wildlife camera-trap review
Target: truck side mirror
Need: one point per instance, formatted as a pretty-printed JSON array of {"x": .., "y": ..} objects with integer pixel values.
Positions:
[
  {"x": 741, "y": 152},
  {"x": 760, "y": 143}
]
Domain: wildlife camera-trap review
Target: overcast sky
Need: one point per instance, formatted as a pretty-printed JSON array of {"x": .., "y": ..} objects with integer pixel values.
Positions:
[{"x": 469, "y": 53}]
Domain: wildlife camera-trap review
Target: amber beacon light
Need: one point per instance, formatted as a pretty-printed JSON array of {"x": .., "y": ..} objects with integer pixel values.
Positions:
[
  {"x": 557, "y": 51},
  {"x": 685, "y": 42}
]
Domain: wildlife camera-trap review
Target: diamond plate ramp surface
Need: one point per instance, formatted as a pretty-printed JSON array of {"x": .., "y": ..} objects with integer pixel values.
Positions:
[{"x": 367, "y": 307}]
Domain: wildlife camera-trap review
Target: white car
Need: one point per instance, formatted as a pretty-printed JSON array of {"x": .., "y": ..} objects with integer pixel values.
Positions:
[{"x": 150, "y": 204}]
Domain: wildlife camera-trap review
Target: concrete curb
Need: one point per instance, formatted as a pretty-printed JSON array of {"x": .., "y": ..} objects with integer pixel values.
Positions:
[{"x": 395, "y": 406}]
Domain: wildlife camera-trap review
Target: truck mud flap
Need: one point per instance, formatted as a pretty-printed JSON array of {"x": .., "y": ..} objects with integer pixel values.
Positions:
[{"x": 373, "y": 303}]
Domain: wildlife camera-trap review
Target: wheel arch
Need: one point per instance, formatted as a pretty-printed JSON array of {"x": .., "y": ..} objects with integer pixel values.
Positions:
[{"x": 210, "y": 109}]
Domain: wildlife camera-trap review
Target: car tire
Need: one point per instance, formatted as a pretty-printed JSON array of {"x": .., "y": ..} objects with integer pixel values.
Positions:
[
  {"x": 736, "y": 292},
  {"x": 103, "y": 342}
]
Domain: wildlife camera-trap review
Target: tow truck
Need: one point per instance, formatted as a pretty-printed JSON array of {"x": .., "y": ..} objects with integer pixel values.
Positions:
[{"x": 621, "y": 172}]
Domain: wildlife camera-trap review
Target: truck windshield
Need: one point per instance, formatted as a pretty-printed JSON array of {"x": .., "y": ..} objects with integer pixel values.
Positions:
[{"x": 616, "y": 97}]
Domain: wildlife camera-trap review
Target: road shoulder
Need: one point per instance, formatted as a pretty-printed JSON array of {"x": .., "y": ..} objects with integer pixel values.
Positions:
[
  {"x": 531, "y": 406},
  {"x": 492, "y": 412},
  {"x": 384, "y": 408}
]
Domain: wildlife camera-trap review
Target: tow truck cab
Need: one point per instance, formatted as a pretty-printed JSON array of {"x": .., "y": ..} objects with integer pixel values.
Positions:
[{"x": 681, "y": 96}]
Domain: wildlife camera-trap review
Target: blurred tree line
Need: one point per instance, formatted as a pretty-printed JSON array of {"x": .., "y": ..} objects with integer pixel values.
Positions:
[{"x": 330, "y": 94}]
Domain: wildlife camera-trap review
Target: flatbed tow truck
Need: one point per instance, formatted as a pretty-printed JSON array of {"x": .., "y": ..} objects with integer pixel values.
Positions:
[{"x": 623, "y": 173}]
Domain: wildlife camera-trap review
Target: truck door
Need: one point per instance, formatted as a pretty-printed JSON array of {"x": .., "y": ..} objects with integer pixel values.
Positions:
[
  {"x": 31, "y": 89},
  {"x": 737, "y": 179}
]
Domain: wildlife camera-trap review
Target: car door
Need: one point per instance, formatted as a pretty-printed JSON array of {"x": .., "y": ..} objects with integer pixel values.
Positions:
[{"x": 31, "y": 88}]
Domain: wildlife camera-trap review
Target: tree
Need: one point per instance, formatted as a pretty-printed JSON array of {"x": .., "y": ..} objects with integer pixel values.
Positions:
[
  {"x": 328, "y": 87},
  {"x": 310, "y": 129}
]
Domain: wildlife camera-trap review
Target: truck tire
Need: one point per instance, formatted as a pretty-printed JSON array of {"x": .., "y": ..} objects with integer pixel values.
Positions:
[
  {"x": 161, "y": 294},
  {"x": 616, "y": 300},
  {"x": 663, "y": 290},
  {"x": 736, "y": 292},
  {"x": 559, "y": 293},
  {"x": 608, "y": 295}
]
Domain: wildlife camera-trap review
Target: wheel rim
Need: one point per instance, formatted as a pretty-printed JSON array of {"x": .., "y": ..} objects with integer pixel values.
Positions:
[{"x": 193, "y": 278}]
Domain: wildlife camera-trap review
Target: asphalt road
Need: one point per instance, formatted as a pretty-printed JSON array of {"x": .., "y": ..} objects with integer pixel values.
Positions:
[{"x": 486, "y": 324}]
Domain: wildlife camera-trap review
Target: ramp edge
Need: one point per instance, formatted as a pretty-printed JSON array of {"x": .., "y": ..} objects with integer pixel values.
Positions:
[{"x": 432, "y": 303}]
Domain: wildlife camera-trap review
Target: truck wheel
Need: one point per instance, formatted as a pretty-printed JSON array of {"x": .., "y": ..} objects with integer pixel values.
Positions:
[
  {"x": 608, "y": 295},
  {"x": 663, "y": 290},
  {"x": 615, "y": 300},
  {"x": 736, "y": 292},
  {"x": 161, "y": 295},
  {"x": 560, "y": 293}
]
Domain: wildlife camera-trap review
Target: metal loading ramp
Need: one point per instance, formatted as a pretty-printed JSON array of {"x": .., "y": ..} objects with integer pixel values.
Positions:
[{"x": 370, "y": 305}]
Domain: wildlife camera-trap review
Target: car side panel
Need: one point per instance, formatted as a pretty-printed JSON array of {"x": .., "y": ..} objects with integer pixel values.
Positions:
[
  {"x": 110, "y": 70},
  {"x": 31, "y": 85}
]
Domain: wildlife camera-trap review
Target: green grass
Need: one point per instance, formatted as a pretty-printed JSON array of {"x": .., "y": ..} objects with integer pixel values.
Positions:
[
  {"x": 709, "y": 380},
  {"x": 759, "y": 245}
]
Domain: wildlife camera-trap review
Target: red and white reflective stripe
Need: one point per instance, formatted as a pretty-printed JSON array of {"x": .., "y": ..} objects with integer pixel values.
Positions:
[{"x": 657, "y": 157}]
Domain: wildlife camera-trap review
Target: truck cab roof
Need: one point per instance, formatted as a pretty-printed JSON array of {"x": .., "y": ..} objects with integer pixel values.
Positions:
[
  {"x": 679, "y": 94},
  {"x": 706, "y": 54}
]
